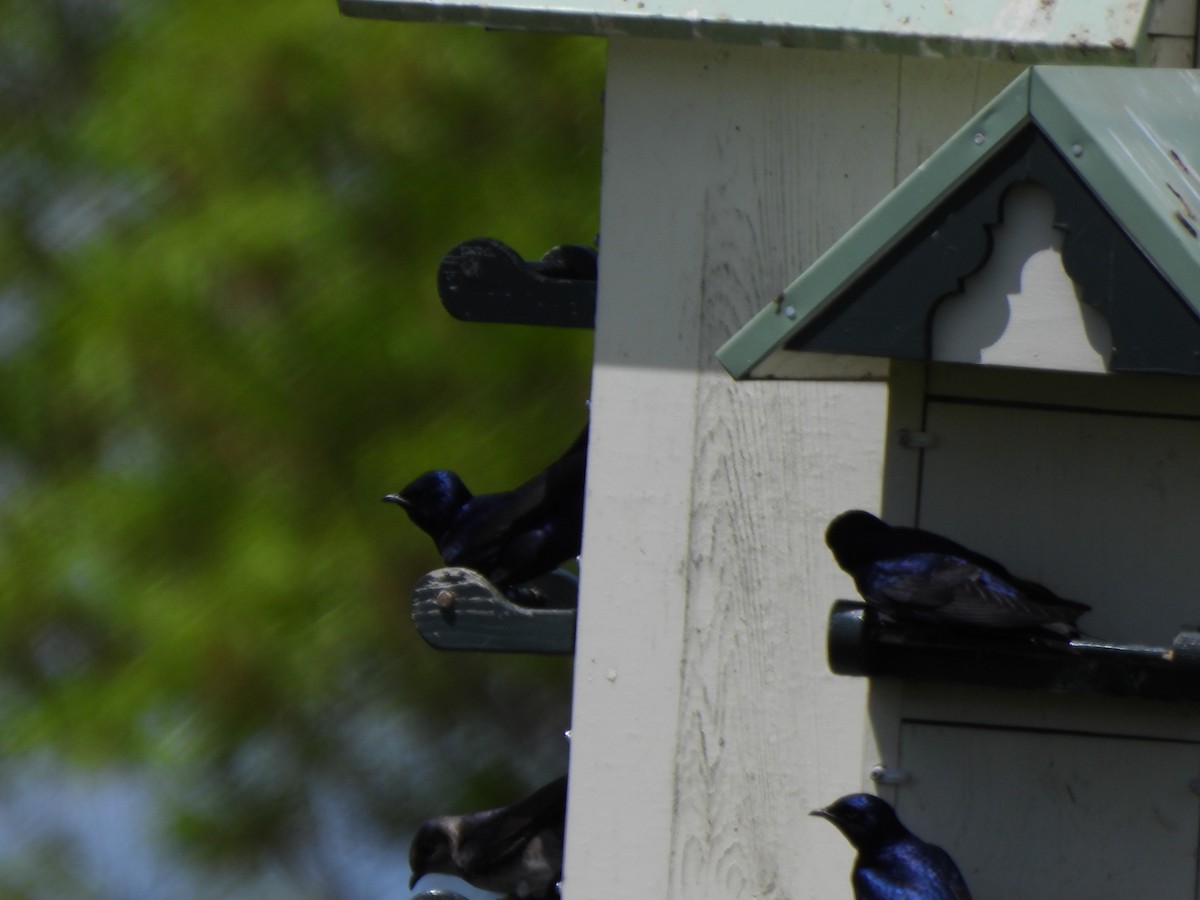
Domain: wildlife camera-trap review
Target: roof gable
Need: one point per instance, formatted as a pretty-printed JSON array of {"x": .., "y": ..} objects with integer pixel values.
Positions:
[{"x": 1114, "y": 148}]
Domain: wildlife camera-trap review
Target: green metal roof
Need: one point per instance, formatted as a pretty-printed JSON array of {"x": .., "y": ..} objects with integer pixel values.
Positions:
[
  {"x": 1132, "y": 138},
  {"x": 1104, "y": 31}
]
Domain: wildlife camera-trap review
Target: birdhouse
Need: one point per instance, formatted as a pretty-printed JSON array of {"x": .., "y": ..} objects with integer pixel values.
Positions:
[
  {"x": 1031, "y": 295},
  {"x": 746, "y": 144}
]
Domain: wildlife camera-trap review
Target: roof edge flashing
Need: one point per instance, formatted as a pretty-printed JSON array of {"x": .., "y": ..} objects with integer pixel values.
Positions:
[
  {"x": 1079, "y": 32},
  {"x": 1158, "y": 214}
]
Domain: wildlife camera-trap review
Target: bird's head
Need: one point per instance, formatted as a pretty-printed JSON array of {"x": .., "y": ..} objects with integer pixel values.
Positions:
[
  {"x": 853, "y": 537},
  {"x": 433, "y": 849},
  {"x": 866, "y": 820},
  {"x": 432, "y": 500}
]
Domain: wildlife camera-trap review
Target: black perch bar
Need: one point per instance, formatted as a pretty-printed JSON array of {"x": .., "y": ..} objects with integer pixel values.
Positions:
[
  {"x": 484, "y": 280},
  {"x": 861, "y": 643},
  {"x": 459, "y": 609},
  {"x": 437, "y": 895}
]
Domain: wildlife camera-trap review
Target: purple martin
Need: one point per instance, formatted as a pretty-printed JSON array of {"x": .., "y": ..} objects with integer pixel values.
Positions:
[
  {"x": 515, "y": 850},
  {"x": 508, "y": 537},
  {"x": 914, "y": 576},
  {"x": 892, "y": 862}
]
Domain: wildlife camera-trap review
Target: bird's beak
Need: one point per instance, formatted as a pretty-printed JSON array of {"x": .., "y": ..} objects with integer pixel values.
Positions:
[
  {"x": 822, "y": 813},
  {"x": 416, "y": 876},
  {"x": 398, "y": 500}
]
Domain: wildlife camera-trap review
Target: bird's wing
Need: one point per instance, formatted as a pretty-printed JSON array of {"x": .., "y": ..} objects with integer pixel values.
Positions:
[
  {"x": 915, "y": 540},
  {"x": 504, "y": 834},
  {"x": 921, "y": 580},
  {"x": 872, "y": 883},
  {"x": 987, "y": 600},
  {"x": 493, "y": 518},
  {"x": 952, "y": 590},
  {"x": 958, "y": 887},
  {"x": 555, "y": 485},
  {"x": 950, "y": 876}
]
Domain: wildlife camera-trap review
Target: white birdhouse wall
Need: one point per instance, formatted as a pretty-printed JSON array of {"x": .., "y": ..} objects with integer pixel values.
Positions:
[
  {"x": 1089, "y": 485},
  {"x": 706, "y": 722}
]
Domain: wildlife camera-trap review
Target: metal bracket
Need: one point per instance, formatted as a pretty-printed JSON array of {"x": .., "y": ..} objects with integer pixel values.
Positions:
[
  {"x": 861, "y": 643},
  {"x": 459, "y": 609},
  {"x": 484, "y": 280}
]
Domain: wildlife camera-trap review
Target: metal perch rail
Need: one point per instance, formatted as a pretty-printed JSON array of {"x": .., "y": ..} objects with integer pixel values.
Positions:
[{"x": 861, "y": 643}]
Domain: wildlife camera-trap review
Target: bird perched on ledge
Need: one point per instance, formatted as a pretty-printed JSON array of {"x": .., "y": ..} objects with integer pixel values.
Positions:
[
  {"x": 915, "y": 576},
  {"x": 508, "y": 537},
  {"x": 515, "y": 850},
  {"x": 892, "y": 862}
]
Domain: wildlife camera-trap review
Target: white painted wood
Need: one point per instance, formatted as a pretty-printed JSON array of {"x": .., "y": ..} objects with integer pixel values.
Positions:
[
  {"x": 1172, "y": 17},
  {"x": 936, "y": 97},
  {"x": 1043, "y": 816},
  {"x": 629, "y": 638},
  {"x": 1158, "y": 395},
  {"x": 1173, "y": 52},
  {"x": 1172, "y": 34},
  {"x": 706, "y": 723},
  {"x": 997, "y": 707},
  {"x": 1021, "y": 308},
  {"x": 1098, "y": 506},
  {"x": 700, "y": 657},
  {"x": 1095, "y": 498}
]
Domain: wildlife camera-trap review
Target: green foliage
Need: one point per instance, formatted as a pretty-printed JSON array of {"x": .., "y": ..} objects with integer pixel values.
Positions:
[{"x": 224, "y": 346}]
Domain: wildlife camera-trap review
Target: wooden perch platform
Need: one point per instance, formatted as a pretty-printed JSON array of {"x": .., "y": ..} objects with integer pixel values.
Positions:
[
  {"x": 459, "y": 609},
  {"x": 861, "y": 643},
  {"x": 484, "y": 280}
]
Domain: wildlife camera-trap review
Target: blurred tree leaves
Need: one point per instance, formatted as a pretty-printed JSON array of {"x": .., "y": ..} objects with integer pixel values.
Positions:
[{"x": 220, "y": 344}]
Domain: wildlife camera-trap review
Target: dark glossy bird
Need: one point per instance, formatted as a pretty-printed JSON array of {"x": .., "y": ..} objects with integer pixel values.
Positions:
[
  {"x": 515, "y": 850},
  {"x": 892, "y": 863},
  {"x": 915, "y": 576},
  {"x": 508, "y": 537}
]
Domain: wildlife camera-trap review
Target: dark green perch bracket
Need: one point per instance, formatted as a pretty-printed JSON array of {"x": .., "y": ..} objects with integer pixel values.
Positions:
[
  {"x": 860, "y": 643},
  {"x": 484, "y": 280},
  {"x": 459, "y": 609}
]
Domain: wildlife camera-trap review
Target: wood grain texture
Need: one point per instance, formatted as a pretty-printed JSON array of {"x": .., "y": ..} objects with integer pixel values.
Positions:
[
  {"x": 458, "y": 609},
  {"x": 632, "y": 590},
  {"x": 1071, "y": 481},
  {"x": 706, "y": 724},
  {"x": 936, "y": 96},
  {"x": 1099, "y": 507},
  {"x": 1093, "y": 816},
  {"x": 760, "y": 719},
  {"x": 700, "y": 512}
]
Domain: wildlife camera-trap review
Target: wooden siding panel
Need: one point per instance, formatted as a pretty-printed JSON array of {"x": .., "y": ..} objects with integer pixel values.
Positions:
[
  {"x": 1078, "y": 815},
  {"x": 706, "y": 723}
]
